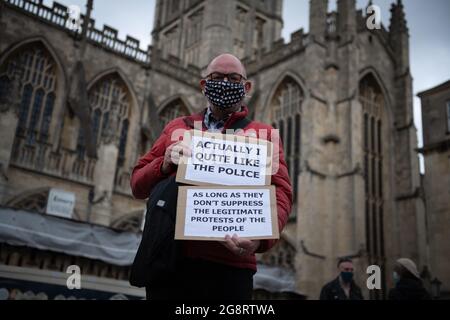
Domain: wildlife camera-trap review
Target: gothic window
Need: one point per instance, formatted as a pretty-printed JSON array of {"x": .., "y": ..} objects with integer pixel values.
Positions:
[
  {"x": 110, "y": 105},
  {"x": 240, "y": 24},
  {"x": 282, "y": 255},
  {"x": 286, "y": 117},
  {"x": 24, "y": 106},
  {"x": 35, "y": 113},
  {"x": 372, "y": 101},
  {"x": 258, "y": 35},
  {"x": 47, "y": 115},
  {"x": 170, "y": 42},
  {"x": 4, "y": 87},
  {"x": 123, "y": 141},
  {"x": 130, "y": 223},
  {"x": 174, "y": 6},
  {"x": 172, "y": 111},
  {"x": 35, "y": 201},
  {"x": 193, "y": 38},
  {"x": 97, "y": 116},
  {"x": 37, "y": 94}
]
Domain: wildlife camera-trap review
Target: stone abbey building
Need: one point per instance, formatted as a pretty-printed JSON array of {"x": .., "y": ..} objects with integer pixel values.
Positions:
[{"x": 79, "y": 107}]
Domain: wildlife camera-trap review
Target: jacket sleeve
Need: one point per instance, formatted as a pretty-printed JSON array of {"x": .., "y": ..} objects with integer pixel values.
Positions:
[
  {"x": 325, "y": 293},
  {"x": 282, "y": 183},
  {"x": 147, "y": 172}
]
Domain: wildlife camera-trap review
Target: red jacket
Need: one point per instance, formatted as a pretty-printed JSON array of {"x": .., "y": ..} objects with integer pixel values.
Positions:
[{"x": 146, "y": 174}]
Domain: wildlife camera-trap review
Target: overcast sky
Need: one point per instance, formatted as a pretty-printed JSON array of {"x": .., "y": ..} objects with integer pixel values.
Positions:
[{"x": 428, "y": 21}]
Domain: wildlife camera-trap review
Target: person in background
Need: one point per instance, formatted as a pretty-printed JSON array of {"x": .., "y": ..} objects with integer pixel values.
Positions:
[
  {"x": 408, "y": 285},
  {"x": 343, "y": 287}
]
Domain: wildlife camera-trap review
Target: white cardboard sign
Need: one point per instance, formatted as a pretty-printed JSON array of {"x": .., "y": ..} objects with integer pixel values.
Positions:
[
  {"x": 210, "y": 213},
  {"x": 219, "y": 159}
]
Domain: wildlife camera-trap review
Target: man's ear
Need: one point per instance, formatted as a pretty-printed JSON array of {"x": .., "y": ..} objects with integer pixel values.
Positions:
[
  {"x": 248, "y": 86},
  {"x": 202, "y": 84}
]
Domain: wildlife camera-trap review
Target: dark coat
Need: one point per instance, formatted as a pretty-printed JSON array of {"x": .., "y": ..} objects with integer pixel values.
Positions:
[
  {"x": 334, "y": 291},
  {"x": 409, "y": 289}
]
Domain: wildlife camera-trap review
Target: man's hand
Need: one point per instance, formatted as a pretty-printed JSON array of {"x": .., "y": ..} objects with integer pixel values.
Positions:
[
  {"x": 173, "y": 155},
  {"x": 241, "y": 247}
]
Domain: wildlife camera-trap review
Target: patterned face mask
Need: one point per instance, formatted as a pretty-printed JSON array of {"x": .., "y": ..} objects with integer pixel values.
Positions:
[{"x": 224, "y": 94}]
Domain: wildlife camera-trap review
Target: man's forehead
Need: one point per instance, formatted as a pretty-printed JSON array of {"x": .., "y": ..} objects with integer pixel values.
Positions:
[
  {"x": 226, "y": 64},
  {"x": 347, "y": 264}
]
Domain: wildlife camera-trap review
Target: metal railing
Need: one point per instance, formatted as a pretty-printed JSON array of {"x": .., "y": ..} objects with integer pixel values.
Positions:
[
  {"x": 107, "y": 38},
  {"x": 62, "y": 163}
]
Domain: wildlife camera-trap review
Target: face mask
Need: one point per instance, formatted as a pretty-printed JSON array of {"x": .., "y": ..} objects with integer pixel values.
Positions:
[
  {"x": 224, "y": 94},
  {"x": 347, "y": 277},
  {"x": 395, "y": 277}
]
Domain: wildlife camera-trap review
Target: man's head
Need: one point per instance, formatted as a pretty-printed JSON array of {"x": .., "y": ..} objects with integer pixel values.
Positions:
[
  {"x": 345, "y": 266},
  {"x": 225, "y": 83},
  {"x": 405, "y": 268}
]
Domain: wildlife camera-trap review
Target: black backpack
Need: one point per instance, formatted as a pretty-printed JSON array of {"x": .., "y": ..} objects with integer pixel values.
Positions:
[{"x": 159, "y": 254}]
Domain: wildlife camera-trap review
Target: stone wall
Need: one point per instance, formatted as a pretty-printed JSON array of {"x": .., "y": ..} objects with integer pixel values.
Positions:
[
  {"x": 164, "y": 82},
  {"x": 437, "y": 179}
]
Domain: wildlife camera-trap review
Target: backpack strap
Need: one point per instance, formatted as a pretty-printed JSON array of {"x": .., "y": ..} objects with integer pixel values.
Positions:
[{"x": 240, "y": 124}]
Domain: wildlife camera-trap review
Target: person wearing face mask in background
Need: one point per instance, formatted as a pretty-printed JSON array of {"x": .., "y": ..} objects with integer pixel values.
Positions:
[
  {"x": 343, "y": 287},
  {"x": 212, "y": 270},
  {"x": 408, "y": 285}
]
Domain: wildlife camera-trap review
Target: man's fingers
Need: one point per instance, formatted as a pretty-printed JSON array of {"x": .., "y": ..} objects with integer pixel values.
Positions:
[
  {"x": 176, "y": 150},
  {"x": 187, "y": 151},
  {"x": 231, "y": 245},
  {"x": 182, "y": 149},
  {"x": 246, "y": 244},
  {"x": 175, "y": 157},
  {"x": 235, "y": 239},
  {"x": 242, "y": 243},
  {"x": 238, "y": 246}
]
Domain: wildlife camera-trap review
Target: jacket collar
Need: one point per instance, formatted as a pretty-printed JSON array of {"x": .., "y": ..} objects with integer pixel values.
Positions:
[{"x": 190, "y": 120}]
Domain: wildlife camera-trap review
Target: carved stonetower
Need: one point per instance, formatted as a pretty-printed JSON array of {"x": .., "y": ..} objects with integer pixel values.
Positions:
[
  {"x": 409, "y": 206},
  {"x": 360, "y": 177},
  {"x": 318, "y": 19},
  {"x": 194, "y": 32}
]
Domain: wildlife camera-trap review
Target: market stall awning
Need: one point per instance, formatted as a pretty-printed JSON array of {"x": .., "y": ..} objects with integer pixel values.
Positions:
[
  {"x": 275, "y": 279},
  {"x": 44, "y": 232}
]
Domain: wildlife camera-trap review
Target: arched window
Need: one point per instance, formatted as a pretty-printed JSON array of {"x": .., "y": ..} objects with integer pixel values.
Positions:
[
  {"x": 131, "y": 222},
  {"x": 4, "y": 87},
  {"x": 110, "y": 106},
  {"x": 286, "y": 116},
  {"x": 282, "y": 255},
  {"x": 372, "y": 101},
  {"x": 35, "y": 200},
  {"x": 193, "y": 43},
  {"x": 173, "y": 110},
  {"x": 123, "y": 141},
  {"x": 39, "y": 83}
]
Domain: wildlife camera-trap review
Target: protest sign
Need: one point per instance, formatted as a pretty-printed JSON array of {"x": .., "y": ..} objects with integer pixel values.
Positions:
[
  {"x": 210, "y": 213},
  {"x": 219, "y": 159}
]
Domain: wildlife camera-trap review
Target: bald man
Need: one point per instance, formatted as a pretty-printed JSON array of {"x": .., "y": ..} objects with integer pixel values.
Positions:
[{"x": 212, "y": 270}]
